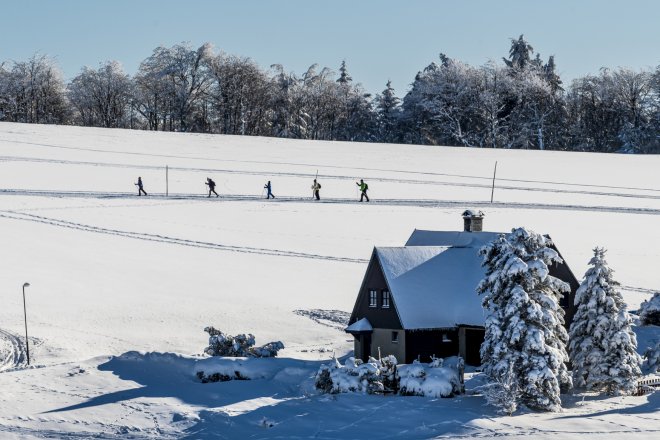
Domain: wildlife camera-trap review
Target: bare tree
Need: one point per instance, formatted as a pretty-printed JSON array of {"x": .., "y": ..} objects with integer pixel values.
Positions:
[
  {"x": 172, "y": 84},
  {"x": 102, "y": 97},
  {"x": 33, "y": 91},
  {"x": 239, "y": 96}
]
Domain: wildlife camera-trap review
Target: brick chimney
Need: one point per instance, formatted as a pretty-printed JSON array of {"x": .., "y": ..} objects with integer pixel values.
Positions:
[{"x": 473, "y": 221}]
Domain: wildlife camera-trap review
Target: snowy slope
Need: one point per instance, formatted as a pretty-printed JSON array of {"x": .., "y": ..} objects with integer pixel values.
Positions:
[{"x": 111, "y": 273}]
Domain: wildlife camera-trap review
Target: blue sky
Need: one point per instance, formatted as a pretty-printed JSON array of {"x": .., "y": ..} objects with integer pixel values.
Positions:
[{"x": 379, "y": 40}]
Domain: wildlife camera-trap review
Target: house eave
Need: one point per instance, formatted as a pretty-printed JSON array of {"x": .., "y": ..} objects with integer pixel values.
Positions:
[{"x": 358, "y": 332}]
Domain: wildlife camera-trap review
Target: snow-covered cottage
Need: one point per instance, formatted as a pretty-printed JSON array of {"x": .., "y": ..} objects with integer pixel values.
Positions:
[{"x": 419, "y": 300}]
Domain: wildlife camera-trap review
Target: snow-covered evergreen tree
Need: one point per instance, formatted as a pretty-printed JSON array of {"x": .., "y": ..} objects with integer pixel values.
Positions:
[
  {"x": 525, "y": 330},
  {"x": 550, "y": 75},
  {"x": 388, "y": 111},
  {"x": 519, "y": 54},
  {"x": 602, "y": 344},
  {"x": 344, "y": 77}
]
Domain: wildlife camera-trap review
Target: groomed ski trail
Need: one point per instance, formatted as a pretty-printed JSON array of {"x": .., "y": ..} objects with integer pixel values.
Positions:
[{"x": 421, "y": 203}]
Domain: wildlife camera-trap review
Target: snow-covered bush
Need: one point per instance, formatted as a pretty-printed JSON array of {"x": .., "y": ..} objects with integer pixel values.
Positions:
[
  {"x": 206, "y": 377},
  {"x": 323, "y": 381},
  {"x": 652, "y": 359},
  {"x": 221, "y": 344},
  {"x": 504, "y": 393},
  {"x": 223, "y": 369},
  {"x": 602, "y": 343},
  {"x": 267, "y": 350},
  {"x": 525, "y": 324},
  {"x": 354, "y": 376},
  {"x": 649, "y": 310},
  {"x": 431, "y": 380},
  {"x": 388, "y": 373},
  {"x": 379, "y": 376}
]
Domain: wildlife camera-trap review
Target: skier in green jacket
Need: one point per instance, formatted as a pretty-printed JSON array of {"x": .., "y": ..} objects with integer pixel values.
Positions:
[{"x": 363, "y": 189}]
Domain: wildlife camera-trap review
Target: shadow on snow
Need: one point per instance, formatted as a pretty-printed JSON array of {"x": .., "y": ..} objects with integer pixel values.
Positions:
[{"x": 283, "y": 408}]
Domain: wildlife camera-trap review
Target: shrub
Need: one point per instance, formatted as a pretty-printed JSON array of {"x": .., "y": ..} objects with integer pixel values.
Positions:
[
  {"x": 242, "y": 345},
  {"x": 649, "y": 311}
]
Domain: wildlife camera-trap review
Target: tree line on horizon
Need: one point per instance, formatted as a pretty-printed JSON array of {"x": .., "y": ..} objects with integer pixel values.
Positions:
[{"x": 521, "y": 103}]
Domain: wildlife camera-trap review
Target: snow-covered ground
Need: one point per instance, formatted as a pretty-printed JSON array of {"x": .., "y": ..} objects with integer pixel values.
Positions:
[{"x": 113, "y": 275}]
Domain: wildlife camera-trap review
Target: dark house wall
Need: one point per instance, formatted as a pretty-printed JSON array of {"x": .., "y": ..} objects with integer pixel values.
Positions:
[
  {"x": 379, "y": 317},
  {"x": 470, "y": 340},
  {"x": 423, "y": 344},
  {"x": 564, "y": 273},
  {"x": 362, "y": 346}
]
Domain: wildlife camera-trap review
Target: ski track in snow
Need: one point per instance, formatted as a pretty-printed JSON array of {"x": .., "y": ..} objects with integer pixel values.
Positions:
[
  {"x": 122, "y": 432},
  {"x": 639, "y": 289},
  {"x": 171, "y": 240},
  {"x": 12, "y": 351},
  {"x": 162, "y": 200}
]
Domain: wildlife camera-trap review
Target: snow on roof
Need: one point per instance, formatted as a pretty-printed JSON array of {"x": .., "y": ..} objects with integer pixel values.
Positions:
[
  {"x": 434, "y": 286},
  {"x": 451, "y": 238},
  {"x": 363, "y": 325},
  {"x": 471, "y": 213}
]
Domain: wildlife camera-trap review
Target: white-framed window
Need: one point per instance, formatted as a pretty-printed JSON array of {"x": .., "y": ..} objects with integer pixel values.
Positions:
[
  {"x": 373, "y": 298},
  {"x": 386, "y": 299},
  {"x": 395, "y": 337}
]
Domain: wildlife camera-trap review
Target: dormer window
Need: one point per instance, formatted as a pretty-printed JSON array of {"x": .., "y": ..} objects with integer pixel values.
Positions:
[
  {"x": 373, "y": 298},
  {"x": 386, "y": 299}
]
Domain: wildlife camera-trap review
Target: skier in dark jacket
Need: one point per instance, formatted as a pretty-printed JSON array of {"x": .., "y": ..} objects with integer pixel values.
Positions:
[
  {"x": 363, "y": 189},
  {"x": 268, "y": 188},
  {"x": 316, "y": 187},
  {"x": 140, "y": 187},
  {"x": 211, "y": 185}
]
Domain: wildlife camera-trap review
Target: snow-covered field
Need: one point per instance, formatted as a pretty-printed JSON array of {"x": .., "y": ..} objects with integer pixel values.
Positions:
[{"x": 122, "y": 286}]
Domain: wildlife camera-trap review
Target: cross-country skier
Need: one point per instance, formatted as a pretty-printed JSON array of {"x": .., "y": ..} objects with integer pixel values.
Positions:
[
  {"x": 315, "y": 190},
  {"x": 211, "y": 185},
  {"x": 140, "y": 187},
  {"x": 268, "y": 188},
  {"x": 363, "y": 188}
]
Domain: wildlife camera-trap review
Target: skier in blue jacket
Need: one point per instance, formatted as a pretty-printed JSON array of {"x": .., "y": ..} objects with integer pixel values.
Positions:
[
  {"x": 211, "y": 185},
  {"x": 269, "y": 189},
  {"x": 140, "y": 187}
]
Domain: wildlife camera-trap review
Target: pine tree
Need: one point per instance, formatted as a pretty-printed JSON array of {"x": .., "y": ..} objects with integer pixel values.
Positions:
[
  {"x": 602, "y": 344},
  {"x": 525, "y": 331},
  {"x": 550, "y": 75},
  {"x": 519, "y": 54},
  {"x": 344, "y": 77},
  {"x": 537, "y": 63},
  {"x": 388, "y": 111}
]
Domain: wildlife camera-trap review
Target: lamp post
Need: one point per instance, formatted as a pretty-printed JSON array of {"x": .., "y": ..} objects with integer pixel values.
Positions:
[{"x": 27, "y": 343}]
